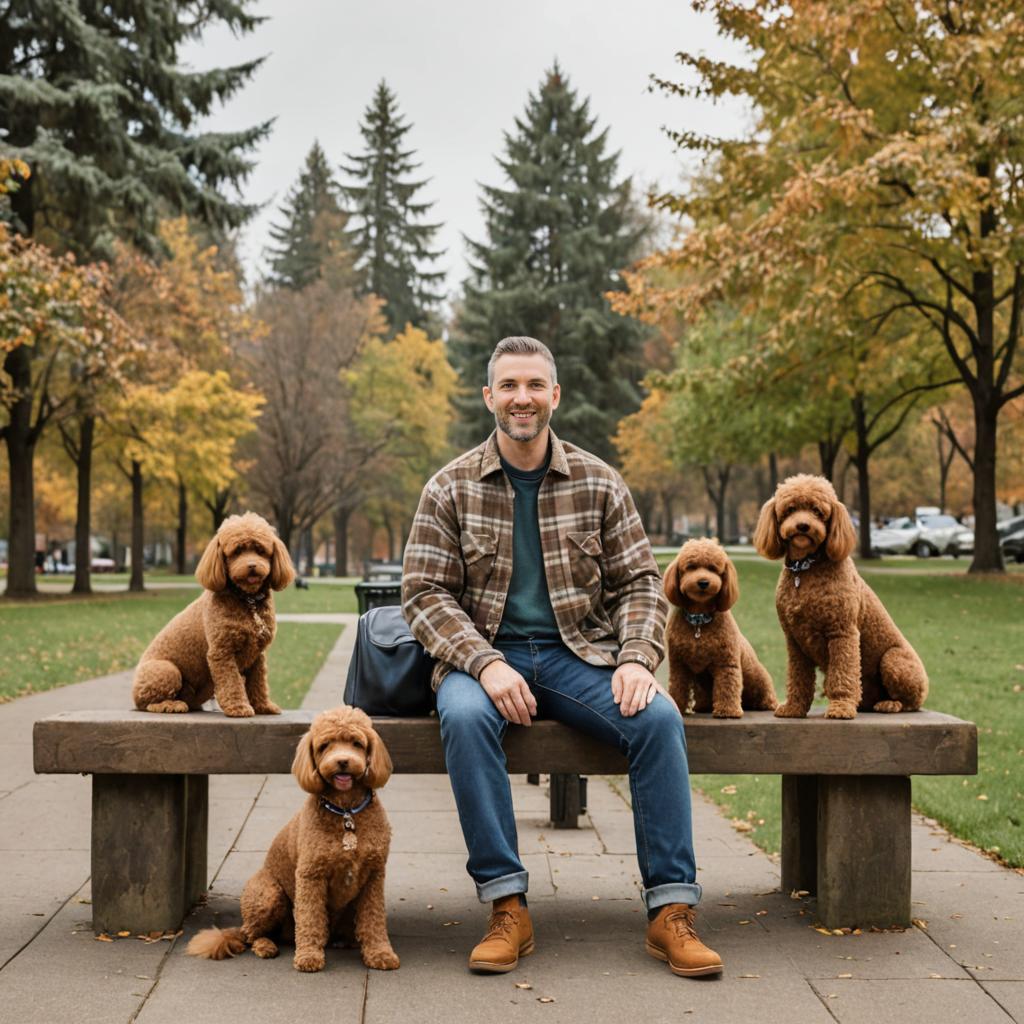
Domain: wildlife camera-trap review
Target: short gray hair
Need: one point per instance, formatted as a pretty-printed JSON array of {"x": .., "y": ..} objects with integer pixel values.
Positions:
[{"x": 520, "y": 346}]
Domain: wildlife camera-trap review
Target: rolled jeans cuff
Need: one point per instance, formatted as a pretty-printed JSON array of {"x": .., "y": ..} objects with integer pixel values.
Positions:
[
  {"x": 674, "y": 892},
  {"x": 507, "y": 885}
]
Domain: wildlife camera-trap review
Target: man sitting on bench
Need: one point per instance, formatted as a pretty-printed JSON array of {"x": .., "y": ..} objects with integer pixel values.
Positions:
[{"x": 529, "y": 577}]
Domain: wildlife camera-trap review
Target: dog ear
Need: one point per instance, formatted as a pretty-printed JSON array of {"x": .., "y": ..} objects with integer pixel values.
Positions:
[
  {"x": 282, "y": 572},
  {"x": 730, "y": 592},
  {"x": 767, "y": 542},
  {"x": 842, "y": 537},
  {"x": 378, "y": 761},
  {"x": 210, "y": 571},
  {"x": 671, "y": 584},
  {"x": 304, "y": 766}
]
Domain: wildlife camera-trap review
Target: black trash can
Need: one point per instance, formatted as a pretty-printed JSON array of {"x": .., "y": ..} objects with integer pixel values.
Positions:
[{"x": 378, "y": 594}]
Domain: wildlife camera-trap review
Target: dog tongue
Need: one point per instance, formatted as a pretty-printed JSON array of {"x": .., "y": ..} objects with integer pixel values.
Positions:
[{"x": 342, "y": 781}]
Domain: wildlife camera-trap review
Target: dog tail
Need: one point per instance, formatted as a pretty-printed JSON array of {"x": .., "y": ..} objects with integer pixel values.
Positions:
[{"x": 216, "y": 943}]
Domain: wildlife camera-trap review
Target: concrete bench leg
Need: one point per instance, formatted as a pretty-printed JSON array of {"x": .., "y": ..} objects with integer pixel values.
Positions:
[
  {"x": 565, "y": 800},
  {"x": 148, "y": 850},
  {"x": 863, "y": 839},
  {"x": 800, "y": 833}
]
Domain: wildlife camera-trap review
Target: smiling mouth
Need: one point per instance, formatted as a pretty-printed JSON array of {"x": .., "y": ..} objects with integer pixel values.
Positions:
[
  {"x": 253, "y": 579},
  {"x": 342, "y": 782}
]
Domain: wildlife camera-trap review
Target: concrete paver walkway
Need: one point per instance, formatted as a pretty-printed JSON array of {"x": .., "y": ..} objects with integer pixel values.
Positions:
[{"x": 966, "y": 961}]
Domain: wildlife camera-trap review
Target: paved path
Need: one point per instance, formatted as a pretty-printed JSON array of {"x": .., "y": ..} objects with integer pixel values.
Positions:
[{"x": 965, "y": 962}]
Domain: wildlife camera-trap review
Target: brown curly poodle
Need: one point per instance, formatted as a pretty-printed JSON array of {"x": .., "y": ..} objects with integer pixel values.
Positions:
[
  {"x": 216, "y": 646},
  {"x": 831, "y": 618},
  {"x": 709, "y": 660},
  {"x": 328, "y": 861}
]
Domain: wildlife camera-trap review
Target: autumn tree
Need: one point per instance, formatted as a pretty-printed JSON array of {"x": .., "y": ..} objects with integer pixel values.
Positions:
[
  {"x": 557, "y": 232},
  {"x": 887, "y": 172},
  {"x": 390, "y": 238},
  {"x": 59, "y": 335}
]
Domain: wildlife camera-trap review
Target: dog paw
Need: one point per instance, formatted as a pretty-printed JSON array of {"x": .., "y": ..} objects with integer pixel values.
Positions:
[
  {"x": 888, "y": 707},
  {"x": 841, "y": 709},
  {"x": 727, "y": 713},
  {"x": 238, "y": 711},
  {"x": 381, "y": 959},
  {"x": 264, "y": 948},
  {"x": 269, "y": 708},
  {"x": 168, "y": 707},
  {"x": 310, "y": 961},
  {"x": 788, "y": 710}
]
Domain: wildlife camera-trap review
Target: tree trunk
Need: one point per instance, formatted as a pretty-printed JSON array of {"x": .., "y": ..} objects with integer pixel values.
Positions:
[
  {"x": 341, "y": 517},
  {"x": 863, "y": 480},
  {"x": 669, "y": 515},
  {"x": 716, "y": 492},
  {"x": 83, "y": 519},
  {"x": 136, "y": 582},
  {"x": 307, "y": 545},
  {"x": 18, "y": 434},
  {"x": 773, "y": 473},
  {"x": 988, "y": 557},
  {"x": 828, "y": 450},
  {"x": 182, "y": 527}
]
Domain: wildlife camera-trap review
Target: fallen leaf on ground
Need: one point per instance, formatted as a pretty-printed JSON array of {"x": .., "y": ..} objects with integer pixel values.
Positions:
[
  {"x": 920, "y": 923},
  {"x": 729, "y": 790},
  {"x": 545, "y": 999},
  {"x": 823, "y": 931},
  {"x": 523, "y": 984},
  {"x": 103, "y": 937},
  {"x": 750, "y": 975},
  {"x": 844, "y": 975}
]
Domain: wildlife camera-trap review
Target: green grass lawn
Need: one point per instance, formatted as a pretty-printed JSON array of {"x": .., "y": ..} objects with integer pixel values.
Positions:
[
  {"x": 969, "y": 630},
  {"x": 57, "y": 640}
]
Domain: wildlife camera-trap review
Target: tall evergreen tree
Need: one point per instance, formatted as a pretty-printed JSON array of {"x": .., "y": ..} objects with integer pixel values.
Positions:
[
  {"x": 555, "y": 238},
  {"x": 93, "y": 99},
  {"x": 391, "y": 243},
  {"x": 313, "y": 229}
]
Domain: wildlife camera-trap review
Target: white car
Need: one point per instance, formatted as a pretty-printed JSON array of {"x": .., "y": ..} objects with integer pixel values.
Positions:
[
  {"x": 943, "y": 535},
  {"x": 897, "y": 537}
]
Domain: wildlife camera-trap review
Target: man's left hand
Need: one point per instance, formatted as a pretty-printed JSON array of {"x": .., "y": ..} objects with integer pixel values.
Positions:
[{"x": 633, "y": 688}]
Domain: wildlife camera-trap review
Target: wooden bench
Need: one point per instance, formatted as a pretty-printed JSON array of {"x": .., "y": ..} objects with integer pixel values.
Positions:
[{"x": 845, "y": 793}]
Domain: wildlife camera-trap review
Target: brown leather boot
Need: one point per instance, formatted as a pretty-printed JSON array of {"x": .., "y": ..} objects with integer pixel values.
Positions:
[
  {"x": 509, "y": 936},
  {"x": 670, "y": 937}
]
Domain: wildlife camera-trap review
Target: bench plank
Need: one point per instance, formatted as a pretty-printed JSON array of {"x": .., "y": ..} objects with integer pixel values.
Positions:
[{"x": 206, "y": 742}]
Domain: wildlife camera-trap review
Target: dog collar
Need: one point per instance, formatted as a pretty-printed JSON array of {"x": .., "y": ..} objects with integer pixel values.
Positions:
[
  {"x": 801, "y": 566},
  {"x": 250, "y": 599},
  {"x": 698, "y": 619},
  {"x": 347, "y": 812}
]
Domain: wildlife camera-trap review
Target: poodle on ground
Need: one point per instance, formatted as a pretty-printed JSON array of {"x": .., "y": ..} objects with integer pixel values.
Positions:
[
  {"x": 831, "y": 618},
  {"x": 709, "y": 660},
  {"x": 328, "y": 862},
  {"x": 216, "y": 646}
]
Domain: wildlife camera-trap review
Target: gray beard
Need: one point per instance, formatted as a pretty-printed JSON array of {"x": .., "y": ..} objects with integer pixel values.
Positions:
[{"x": 507, "y": 425}]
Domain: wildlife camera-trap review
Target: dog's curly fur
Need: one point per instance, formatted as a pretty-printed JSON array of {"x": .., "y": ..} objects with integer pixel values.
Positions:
[
  {"x": 314, "y": 878},
  {"x": 833, "y": 620},
  {"x": 719, "y": 670},
  {"x": 216, "y": 646}
]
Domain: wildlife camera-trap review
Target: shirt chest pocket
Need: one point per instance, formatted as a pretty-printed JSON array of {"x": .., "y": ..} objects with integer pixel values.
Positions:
[
  {"x": 478, "y": 554},
  {"x": 585, "y": 560}
]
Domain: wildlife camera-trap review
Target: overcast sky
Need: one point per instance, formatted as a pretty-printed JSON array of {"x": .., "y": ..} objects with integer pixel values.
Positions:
[{"x": 462, "y": 71}]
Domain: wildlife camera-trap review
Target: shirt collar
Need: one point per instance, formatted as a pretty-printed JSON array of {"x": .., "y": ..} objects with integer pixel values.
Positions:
[{"x": 490, "y": 458}]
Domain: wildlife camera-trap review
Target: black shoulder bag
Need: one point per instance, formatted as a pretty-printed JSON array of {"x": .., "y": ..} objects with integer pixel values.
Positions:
[{"x": 389, "y": 674}]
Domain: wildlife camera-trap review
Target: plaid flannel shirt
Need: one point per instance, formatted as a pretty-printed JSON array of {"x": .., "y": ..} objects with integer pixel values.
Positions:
[{"x": 603, "y": 582}]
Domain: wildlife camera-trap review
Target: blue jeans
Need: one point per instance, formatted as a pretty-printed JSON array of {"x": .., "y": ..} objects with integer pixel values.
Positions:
[{"x": 569, "y": 690}]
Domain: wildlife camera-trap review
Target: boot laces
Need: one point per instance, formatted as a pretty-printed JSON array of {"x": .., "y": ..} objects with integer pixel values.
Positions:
[
  {"x": 500, "y": 924},
  {"x": 682, "y": 923}
]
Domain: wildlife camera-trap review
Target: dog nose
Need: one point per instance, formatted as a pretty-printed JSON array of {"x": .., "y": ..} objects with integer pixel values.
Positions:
[
  {"x": 802, "y": 527},
  {"x": 343, "y": 765},
  {"x": 703, "y": 584}
]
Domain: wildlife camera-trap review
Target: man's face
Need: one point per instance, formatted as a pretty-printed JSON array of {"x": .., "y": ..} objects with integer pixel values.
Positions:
[{"x": 523, "y": 397}]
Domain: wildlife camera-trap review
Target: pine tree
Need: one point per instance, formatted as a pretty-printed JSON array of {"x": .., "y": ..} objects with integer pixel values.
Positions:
[
  {"x": 313, "y": 228},
  {"x": 391, "y": 243},
  {"x": 556, "y": 237},
  {"x": 93, "y": 99}
]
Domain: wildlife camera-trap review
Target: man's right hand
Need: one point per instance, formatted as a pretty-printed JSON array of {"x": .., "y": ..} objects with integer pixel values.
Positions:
[{"x": 509, "y": 692}]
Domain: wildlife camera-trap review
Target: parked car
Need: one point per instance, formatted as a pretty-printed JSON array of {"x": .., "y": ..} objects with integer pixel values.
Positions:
[
  {"x": 897, "y": 537},
  {"x": 942, "y": 535},
  {"x": 1015, "y": 524},
  {"x": 1013, "y": 545}
]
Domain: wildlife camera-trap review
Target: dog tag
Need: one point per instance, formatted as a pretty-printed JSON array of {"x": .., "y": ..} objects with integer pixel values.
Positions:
[
  {"x": 696, "y": 635},
  {"x": 348, "y": 841},
  {"x": 796, "y": 582}
]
